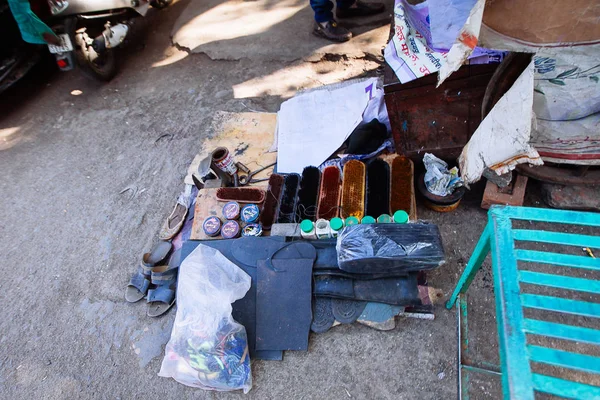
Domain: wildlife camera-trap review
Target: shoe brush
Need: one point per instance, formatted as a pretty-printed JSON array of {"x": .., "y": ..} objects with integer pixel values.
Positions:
[
  {"x": 402, "y": 185},
  {"x": 269, "y": 211},
  {"x": 308, "y": 193},
  {"x": 329, "y": 193},
  {"x": 289, "y": 199},
  {"x": 378, "y": 188},
  {"x": 353, "y": 190}
]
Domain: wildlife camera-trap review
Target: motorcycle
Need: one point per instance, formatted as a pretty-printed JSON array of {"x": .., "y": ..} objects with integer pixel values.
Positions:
[{"x": 89, "y": 31}]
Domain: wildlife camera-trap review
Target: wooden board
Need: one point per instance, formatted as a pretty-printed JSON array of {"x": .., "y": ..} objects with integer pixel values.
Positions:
[
  {"x": 248, "y": 136},
  {"x": 207, "y": 205}
]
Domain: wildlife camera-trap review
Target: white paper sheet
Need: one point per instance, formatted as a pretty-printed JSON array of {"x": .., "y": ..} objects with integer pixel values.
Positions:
[{"x": 313, "y": 125}]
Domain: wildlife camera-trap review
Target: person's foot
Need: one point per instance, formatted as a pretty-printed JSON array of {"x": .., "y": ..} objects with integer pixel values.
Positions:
[
  {"x": 360, "y": 9},
  {"x": 332, "y": 31}
]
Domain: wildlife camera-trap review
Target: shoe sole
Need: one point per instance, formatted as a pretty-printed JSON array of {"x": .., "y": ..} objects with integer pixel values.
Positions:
[{"x": 322, "y": 35}]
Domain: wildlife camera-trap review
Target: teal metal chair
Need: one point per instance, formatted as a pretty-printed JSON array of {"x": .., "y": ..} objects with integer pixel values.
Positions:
[{"x": 501, "y": 239}]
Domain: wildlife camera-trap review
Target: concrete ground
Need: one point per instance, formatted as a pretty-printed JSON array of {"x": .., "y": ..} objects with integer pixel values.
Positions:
[{"x": 70, "y": 240}]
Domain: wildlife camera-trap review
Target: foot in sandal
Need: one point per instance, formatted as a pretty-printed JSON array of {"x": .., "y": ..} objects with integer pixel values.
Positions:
[
  {"x": 140, "y": 281},
  {"x": 161, "y": 295}
]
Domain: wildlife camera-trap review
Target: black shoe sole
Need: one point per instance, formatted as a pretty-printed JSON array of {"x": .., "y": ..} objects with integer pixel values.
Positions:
[{"x": 320, "y": 34}]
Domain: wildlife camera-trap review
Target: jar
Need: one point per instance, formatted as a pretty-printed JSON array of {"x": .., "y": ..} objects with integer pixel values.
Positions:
[
  {"x": 307, "y": 229},
  {"x": 323, "y": 229},
  {"x": 400, "y": 217},
  {"x": 336, "y": 224}
]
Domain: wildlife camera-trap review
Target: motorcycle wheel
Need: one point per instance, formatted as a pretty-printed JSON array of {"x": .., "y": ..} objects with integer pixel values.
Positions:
[
  {"x": 160, "y": 3},
  {"x": 104, "y": 68}
]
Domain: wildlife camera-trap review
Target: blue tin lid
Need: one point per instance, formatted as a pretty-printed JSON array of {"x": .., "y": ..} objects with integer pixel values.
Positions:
[{"x": 249, "y": 213}]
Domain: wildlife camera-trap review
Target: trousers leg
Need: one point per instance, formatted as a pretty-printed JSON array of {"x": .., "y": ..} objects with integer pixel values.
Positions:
[{"x": 322, "y": 9}]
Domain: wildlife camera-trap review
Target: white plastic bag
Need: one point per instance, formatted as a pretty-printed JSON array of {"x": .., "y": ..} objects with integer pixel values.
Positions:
[{"x": 208, "y": 348}]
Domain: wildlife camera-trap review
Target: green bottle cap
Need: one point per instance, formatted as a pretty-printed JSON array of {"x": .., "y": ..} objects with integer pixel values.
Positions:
[
  {"x": 367, "y": 220},
  {"x": 307, "y": 226},
  {"x": 336, "y": 224},
  {"x": 384, "y": 219},
  {"x": 352, "y": 221},
  {"x": 400, "y": 217}
]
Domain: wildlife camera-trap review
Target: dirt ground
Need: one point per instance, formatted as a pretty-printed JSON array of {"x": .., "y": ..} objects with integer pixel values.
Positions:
[{"x": 70, "y": 240}]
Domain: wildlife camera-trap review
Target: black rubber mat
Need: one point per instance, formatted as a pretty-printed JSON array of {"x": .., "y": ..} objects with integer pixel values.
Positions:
[
  {"x": 283, "y": 298},
  {"x": 323, "y": 318},
  {"x": 347, "y": 311},
  {"x": 401, "y": 291}
]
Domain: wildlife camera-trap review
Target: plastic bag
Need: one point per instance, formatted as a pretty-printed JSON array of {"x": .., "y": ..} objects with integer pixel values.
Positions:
[
  {"x": 208, "y": 348},
  {"x": 382, "y": 248},
  {"x": 440, "y": 180}
]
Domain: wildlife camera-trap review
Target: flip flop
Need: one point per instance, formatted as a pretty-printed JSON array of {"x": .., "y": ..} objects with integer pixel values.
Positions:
[
  {"x": 140, "y": 281},
  {"x": 164, "y": 284},
  {"x": 173, "y": 224}
]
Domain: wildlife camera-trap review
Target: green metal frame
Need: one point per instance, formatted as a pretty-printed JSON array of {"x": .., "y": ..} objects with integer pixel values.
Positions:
[{"x": 498, "y": 238}]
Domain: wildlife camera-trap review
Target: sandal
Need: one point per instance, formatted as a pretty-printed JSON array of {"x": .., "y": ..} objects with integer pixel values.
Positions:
[
  {"x": 140, "y": 281},
  {"x": 173, "y": 224},
  {"x": 164, "y": 284}
]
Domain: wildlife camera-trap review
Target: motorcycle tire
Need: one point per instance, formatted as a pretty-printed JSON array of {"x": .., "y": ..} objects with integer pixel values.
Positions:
[
  {"x": 102, "y": 72},
  {"x": 160, "y": 4}
]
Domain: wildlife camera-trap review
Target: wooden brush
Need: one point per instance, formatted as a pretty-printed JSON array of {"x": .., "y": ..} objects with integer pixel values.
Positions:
[
  {"x": 289, "y": 199},
  {"x": 241, "y": 195},
  {"x": 402, "y": 185},
  {"x": 353, "y": 190},
  {"x": 308, "y": 193},
  {"x": 329, "y": 193},
  {"x": 378, "y": 188},
  {"x": 269, "y": 211}
]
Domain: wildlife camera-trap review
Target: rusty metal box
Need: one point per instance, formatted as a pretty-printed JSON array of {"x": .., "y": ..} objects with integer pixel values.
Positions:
[{"x": 437, "y": 120}]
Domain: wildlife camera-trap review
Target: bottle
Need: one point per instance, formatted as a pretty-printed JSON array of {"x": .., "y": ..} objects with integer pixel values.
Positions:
[
  {"x": 352, "y": 221},
  {"x": 367, "y": 220},
  {"x": 307, "y": 229},
  {"x": 384, "y": 219},
  {"x": 336, "y": 224},
  {"x": 323, "y": 229},
  {"x": 400, "y": 217}
]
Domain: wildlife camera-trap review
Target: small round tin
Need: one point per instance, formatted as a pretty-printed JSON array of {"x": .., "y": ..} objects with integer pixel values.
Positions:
[
  {"x": 211, "y": 226},
  {"x": 252, "y": 230},
  {"x": 230, "y": 230},
  {"x": 231, "y": 210},
  {"x": 249, "y": 213}
]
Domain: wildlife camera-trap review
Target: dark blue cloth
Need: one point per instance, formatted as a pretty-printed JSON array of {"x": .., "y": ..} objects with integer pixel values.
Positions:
[{"x": 323, "y": 8}]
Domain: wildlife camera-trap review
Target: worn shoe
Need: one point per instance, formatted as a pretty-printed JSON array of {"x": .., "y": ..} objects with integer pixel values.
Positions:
[
  {"x": 332, "y": 31},
  {"x": 360, "y": 9}
]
